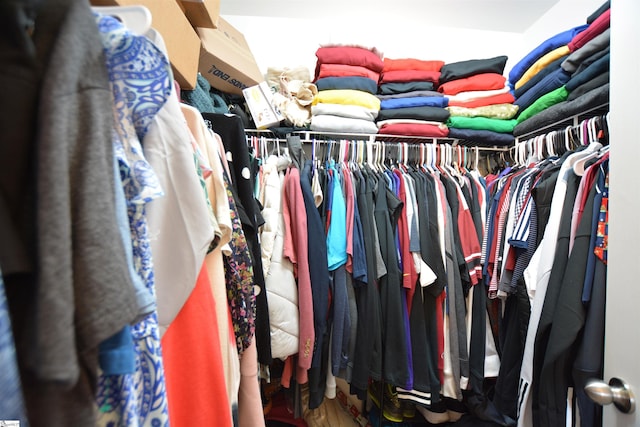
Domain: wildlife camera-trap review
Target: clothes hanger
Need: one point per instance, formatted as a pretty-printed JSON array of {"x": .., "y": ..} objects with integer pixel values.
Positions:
[
  {"x": 314, "y": 145},
  {"x": 467, "y": 158},
  {"x": 577, "y": 160},
  {"x": 549, "y": 143},
  {"x": 351, "y": 156},
  {"x": 405, "y": 156},
  {"x": 533, "y": 151},
  {"x": 512, "y": 156},
  {"x": 513, "y": 152},
  {"x": 456, "y": 159},
  {"x": 136, "y": 18},
  {"x": 434, "y": 153},
  {"x": 567, "y": 140},
  {"x": 542, "y": 153},
  {"x": 477, "y": 158},
  {"x": 594, "y": 148},
  {"x": 355, "y": 151},
  {"x": 399, "y": 157},
  {"x": 464, "y": 169},
  {"x": 448, "y": 165},
  {"x": 376, "y": 161},
  {"x": 426, "y": 164},
  {"x": 262, "y": 144},
  {"x": 523, "y": 154}
]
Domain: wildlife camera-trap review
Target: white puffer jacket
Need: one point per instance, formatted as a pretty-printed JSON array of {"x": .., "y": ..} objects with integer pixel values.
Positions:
[{"x": 282, "y": 291}]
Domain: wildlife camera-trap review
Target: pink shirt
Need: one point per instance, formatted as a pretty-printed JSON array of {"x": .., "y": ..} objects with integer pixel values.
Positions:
[
  {"x": 349, "y": 200},
  {"x": 297, "y": 250}
]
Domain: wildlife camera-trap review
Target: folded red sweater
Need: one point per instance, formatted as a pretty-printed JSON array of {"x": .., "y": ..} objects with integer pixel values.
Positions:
[
  {"x": 349, "y": 55},
  {"x": 485, "y": 81},
  {"x": 415, "y": 129},
  {"x": 411, "y": 64},
  {"x": 597, "y": 27},
  {"x": 503, "y": 98},
  {"x": 410, "y": 76},
  {"x": 343, "y": 70}
]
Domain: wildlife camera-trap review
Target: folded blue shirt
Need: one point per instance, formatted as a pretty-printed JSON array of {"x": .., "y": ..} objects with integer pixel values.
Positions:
[
  {"x": 592, "y": 71},
  {"x": 482, "y": 137},
  {"x": 364, "y": 84},
  {"x": 543, "y": 48},
  {"x": 551, "y": 82},
  {"x": 415, "y": 101}
]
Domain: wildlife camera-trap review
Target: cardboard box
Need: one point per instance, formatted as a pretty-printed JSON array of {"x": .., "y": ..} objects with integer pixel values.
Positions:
[
  {"x": 202, "y": 13},
  {"x": 226, "y": 60},
  {"x": 260, "y": 102},
  {"x": 181, "y": 40}
]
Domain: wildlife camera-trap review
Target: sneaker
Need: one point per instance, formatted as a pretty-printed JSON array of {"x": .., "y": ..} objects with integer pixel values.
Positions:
[
  {"x": 375, "y": 391},
  {"x": 408, "y": 409},
  {"x": 392, "y": 410}
]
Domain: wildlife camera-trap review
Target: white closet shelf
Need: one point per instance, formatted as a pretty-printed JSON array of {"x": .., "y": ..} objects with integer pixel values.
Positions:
[
  {"x": 308, "y": 136},
  {"x": 561, "y": 124}
]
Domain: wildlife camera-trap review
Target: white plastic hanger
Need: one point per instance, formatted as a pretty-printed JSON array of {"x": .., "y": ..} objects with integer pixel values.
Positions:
[
  {"x": 549, "y": 143},
  {"x": 370, "y": 158},
  {"x": 477, "y": 158},
  {"x": 136, "y": 18},
  {"x": 593, "y": 148},
  {"x": 522, "y": 155},
  {"x": 436, "y": 158}
]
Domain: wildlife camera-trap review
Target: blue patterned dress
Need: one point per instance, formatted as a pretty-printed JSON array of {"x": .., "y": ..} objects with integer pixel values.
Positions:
[
  {"x": 141, "y": 82},
  {"x": 11, "y": 403}
]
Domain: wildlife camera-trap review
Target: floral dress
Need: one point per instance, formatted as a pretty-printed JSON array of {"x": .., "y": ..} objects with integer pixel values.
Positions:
[{"x": 141, "y": 82}]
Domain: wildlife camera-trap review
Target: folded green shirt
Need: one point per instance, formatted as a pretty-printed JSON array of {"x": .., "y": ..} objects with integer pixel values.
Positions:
[
  {"x": 482, "y": 123},
  {"x": 545, "y": 101}
]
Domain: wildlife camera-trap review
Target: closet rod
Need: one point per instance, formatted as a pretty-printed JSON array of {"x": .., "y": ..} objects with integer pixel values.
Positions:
[
  {"x": 326, "y": 137},
  {"x": 574, "y": 121}
]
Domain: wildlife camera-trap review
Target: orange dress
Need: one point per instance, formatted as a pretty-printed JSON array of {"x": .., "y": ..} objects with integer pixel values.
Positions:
[{"x": 195, "y": 378}]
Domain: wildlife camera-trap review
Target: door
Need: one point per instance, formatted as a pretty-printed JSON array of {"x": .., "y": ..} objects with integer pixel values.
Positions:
[{"x": 622, "y": 337}]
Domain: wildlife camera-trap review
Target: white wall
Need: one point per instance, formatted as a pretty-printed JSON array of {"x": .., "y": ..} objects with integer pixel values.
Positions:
[
  {"x": 282, "y": 42},
  {"x": 564, "y": 15}
]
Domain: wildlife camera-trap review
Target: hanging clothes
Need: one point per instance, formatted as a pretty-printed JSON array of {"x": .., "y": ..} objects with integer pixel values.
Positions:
[
  {"x": 195, "y": 346},
  {"x": 127, "y": 399},
  {"x": 13, "y": 403},
  {"x": 83, "y": 293},
  {"x": 540, "y": 258},
  {"x": 242, "y": 175}
]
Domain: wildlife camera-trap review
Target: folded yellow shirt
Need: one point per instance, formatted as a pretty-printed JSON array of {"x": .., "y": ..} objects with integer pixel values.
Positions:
[
  {"x": 541, "y": 63},
  {"x": 347, "y": 97}
]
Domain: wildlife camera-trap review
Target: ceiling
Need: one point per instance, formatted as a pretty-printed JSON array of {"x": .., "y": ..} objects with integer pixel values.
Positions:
[{"x": 493, "y": 15}]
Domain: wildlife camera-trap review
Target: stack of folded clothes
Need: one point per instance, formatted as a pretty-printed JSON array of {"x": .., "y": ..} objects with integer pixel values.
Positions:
[
  {"x": 347, "y": 79},
  {"x": 409, "y": 102},
  {"x": 479, "y": 101},
  {"x": 575, "y": 78}
]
